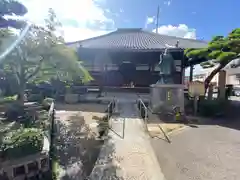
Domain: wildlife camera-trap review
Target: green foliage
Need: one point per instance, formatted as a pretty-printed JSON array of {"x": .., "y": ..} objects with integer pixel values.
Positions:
[
  {"x": 220, "y": 50},
  {"x": 199, "y": 53},
  {"x": 55, "y": 169},
  {"x": 207, "y": 64},
  {"x": 214, "y": 54},
  {"x": 8, "y": 99},
  {"x": 103, "y": 126},
  {"x": 47, "y": 103},
  {"x": 42, "y": 55},
  {"x": 211, "y": 108},
  {"x": 42, "y": 121},
  {"x": 5, "y": 36},
  {"x": 13, "y": 111},
  {"x": 10, "y": 7},
  {"x": 22, "y": 142}
]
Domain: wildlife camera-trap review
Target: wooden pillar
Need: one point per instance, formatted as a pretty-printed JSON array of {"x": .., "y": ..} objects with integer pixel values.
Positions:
[
  {"x": 210, "y": 92},
  {"x": 222, "y": 84},
  {"x": 191, "y": 73}
]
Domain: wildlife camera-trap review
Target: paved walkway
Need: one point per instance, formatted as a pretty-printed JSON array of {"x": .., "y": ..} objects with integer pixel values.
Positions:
[
  {"x": 205, "y": 153},
  {"x": 127, "y": 155}
]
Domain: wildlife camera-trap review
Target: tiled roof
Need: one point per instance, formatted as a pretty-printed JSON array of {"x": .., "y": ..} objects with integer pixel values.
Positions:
[{"x": 138, "y": 39}]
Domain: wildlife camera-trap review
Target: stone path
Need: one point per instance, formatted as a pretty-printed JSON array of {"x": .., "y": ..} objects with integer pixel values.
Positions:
[{"x": 127, "y": 155}]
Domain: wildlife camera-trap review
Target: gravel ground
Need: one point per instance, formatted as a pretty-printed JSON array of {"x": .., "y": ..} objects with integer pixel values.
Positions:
[{"x": 204, "y": 153}]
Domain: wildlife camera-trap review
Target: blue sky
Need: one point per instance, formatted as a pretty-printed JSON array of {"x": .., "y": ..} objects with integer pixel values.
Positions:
[
  {"x": 206, "y": 17},
  {"x": 82, "y": 19}
]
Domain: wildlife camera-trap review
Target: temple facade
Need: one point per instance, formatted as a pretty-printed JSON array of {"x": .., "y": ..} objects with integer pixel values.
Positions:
[{"x": 135, "y": 56}]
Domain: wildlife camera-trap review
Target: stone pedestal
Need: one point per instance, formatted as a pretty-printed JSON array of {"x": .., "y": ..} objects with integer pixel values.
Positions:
[{"x": 165, "y": 97}]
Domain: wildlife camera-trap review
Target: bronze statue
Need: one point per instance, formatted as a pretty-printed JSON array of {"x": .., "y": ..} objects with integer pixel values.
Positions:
[{"x": 166, "y": 65}]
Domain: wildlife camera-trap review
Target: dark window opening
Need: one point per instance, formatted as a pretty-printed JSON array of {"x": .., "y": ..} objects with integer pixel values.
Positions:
[
  {"x": 20, "y": 170},
  {"x": 32, "y": 167}
]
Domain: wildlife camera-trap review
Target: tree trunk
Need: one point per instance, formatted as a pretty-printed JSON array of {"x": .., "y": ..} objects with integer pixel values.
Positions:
[
  {"x": 212, "y": 74},
  {"x": 21, "y": 92}
]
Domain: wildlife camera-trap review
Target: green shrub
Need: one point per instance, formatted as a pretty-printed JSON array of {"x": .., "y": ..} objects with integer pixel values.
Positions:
[
  {"x": 13, "y": 111},
  {"x": 103, "y": 126},
  {"x": 35, "y": 98},
  {"x": 55, "y": 169},
  {"x": 212, "y": 107},
  {"x": 27, "y": 120},
  {"x": 43, "y": 121},
  {"x": 8, "y": 99},
  {"x": 22, "y": 142},
  {"x": 47, "y": 103}
]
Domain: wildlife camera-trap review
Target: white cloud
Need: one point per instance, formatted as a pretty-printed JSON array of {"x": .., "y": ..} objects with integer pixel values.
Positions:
[
  {"x": 149, "y": 20},
  {"x": 75, "y": 16},
  {"x": 167, "y": 3},
  {"x": 73, "y": 34},
  {"x": 182, "y": 30}
]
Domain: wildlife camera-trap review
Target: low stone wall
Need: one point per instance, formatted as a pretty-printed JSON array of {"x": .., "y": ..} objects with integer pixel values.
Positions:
[
  {"x": 29, "y": 166},
  {"x": 26, "y": 167}
]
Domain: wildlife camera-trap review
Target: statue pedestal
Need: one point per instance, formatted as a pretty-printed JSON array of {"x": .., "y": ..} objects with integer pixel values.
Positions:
[{"x": 165, "y": 97}]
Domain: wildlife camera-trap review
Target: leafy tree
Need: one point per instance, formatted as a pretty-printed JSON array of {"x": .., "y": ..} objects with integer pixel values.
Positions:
[
  {"x": 4, "y": 35},
  {"x": 220, "y": 51},
  {"x": 11, "y": 7},
  {"x": 41, "y": 56}
]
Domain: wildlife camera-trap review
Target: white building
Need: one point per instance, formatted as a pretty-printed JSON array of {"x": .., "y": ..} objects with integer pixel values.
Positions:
[{"x": 232, "y": 75}]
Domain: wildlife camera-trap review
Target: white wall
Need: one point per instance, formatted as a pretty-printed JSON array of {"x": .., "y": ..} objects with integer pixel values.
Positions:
[{"x": 230, "y": 79}]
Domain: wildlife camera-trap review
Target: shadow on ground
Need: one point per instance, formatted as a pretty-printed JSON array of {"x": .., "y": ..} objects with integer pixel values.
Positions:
[
  {"x": 86, "y": 107},
  {"x": 229, "y": 118},
  {"x": 105, "y": 168},
  {"x": 78, "y": 150}
]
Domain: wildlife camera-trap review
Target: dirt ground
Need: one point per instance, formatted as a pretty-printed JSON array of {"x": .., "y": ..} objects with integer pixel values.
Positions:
[{"x": 78, "y": 145}]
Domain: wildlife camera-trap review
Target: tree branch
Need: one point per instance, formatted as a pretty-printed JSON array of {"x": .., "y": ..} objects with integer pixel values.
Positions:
[
  {"x": 14, "y": 71},
  {"x": 34, "y": 73},
  {"x": 36, "y": 70}
]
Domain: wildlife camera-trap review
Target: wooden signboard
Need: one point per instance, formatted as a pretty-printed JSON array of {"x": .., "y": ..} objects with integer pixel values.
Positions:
[{"x": 196, "y": 88}]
